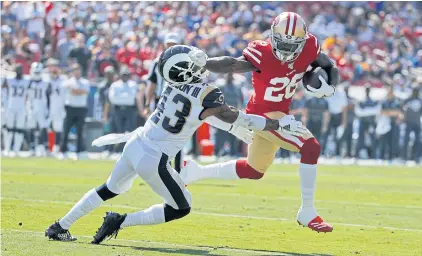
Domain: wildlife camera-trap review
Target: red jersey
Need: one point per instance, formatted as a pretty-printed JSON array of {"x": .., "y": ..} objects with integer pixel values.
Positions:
[{"x": 275, "y": 83}]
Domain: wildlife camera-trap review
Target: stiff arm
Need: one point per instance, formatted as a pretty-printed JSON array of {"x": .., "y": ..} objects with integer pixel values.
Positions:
[
  {"x": 227, "y": 64},
  {"x": 215, "y": 106}
]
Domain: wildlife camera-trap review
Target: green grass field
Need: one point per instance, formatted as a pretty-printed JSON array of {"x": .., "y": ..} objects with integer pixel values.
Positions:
[{"x": 375, "y": 211}]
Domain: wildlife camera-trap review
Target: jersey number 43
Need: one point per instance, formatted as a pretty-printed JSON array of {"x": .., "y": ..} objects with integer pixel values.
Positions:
[
  {"x": 178, "y": 118},
  {"x": 286, "y": 91}
]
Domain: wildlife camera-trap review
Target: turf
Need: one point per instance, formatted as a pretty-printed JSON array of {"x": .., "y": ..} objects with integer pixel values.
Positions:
[{"x": 375, "y": 211}]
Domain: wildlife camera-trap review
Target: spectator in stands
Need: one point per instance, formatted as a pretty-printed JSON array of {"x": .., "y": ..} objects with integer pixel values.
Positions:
[
  {"x": 81, "y": 54},
  {"x": 35, "y": 19},
  {"x": 64, "y": 46},
  {"x": 106, "y": 59},
  {"x": 76, "y": 100},
  {"x": 125, "y": 54},
  {"x": 412, "y": 117},
  {"x": 366, "y": 111}
]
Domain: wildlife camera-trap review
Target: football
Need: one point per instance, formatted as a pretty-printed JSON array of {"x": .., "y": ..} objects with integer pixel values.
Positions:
[{"x": 311, "y": 77}]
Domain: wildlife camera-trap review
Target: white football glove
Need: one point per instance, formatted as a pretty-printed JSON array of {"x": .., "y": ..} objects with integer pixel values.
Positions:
[
  {"x": 198, "y": 57},
  {"x": 326, "y": 90},
  {"x": 289, "y": 125},
  {"x": 242, "y": 133}
]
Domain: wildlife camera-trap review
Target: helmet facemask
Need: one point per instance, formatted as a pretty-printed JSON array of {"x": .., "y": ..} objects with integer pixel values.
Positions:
[
  {"x": 287, "y": 48},
  {"x": 178, "y": 69},
  {"x": 190, "y": 74}
]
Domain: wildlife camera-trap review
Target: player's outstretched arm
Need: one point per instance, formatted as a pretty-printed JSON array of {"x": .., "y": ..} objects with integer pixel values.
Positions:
[
  {"x": 214, "y": 105},
  {"x": 234, "y": 116},
  {"x": 224, "y": 64},
  {"x": 227, "y": 64}
]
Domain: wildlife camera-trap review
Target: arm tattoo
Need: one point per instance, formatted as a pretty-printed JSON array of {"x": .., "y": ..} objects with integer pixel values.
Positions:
[
  {"x": 227, "y": 114},
  {"x": 227, "y": 64}
]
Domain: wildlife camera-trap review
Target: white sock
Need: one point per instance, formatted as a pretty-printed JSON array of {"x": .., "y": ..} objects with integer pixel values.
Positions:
[
  {"x": 225, "y": 171},
  {"x": 150, "y": 216},
  {"x": 90, "y": 201},
  {"x": 18, "y": 141},
  {"x": 307, "y": 173},
  {"x": 8, "y": 137}
]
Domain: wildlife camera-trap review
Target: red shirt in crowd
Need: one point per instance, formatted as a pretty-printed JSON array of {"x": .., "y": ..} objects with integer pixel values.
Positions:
[{"x": 124, "y": 56}]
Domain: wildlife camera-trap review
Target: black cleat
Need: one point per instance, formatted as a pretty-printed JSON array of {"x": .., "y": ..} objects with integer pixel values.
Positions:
[
  {"x": 110, "y": 227},
  {"x": 56, "y": 232}
]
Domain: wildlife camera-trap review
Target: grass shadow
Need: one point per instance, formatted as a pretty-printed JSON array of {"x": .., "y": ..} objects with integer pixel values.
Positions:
[{"x": 208, "y": 251}]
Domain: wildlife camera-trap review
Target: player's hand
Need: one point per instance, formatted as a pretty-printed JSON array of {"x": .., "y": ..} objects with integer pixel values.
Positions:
[
  {"x": 242, "y": 133},
  {"x": 289, "y": 125},
  {"x": 326, "y": 90},
  {"x": 198, "y": 57}
]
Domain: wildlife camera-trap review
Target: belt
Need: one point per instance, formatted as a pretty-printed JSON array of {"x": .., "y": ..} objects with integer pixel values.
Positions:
[{"x": 123, "y": 107}]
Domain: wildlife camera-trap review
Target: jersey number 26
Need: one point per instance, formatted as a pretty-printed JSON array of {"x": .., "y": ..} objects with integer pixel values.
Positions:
[{"x": 286, "y": 91}]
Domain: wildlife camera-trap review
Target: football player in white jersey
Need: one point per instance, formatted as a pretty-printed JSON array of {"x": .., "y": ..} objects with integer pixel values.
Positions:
[
  {"x": 56, "y": 109},
  {"x": 37, "y": 120},
  {"x": 17, "y": 92},
  {"x": 184, "y": 105}
]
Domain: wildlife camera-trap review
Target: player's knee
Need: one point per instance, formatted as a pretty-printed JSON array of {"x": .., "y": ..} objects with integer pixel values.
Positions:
[
  {"x": 105, "y": 193},
  {"x": 171, "y": 213},
  {"x": 310, "y": 151},
  {"x": 245, "y": 171}
]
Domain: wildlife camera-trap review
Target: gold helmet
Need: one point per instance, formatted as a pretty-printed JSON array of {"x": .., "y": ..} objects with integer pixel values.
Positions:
[{"x": 288, "y": 36}]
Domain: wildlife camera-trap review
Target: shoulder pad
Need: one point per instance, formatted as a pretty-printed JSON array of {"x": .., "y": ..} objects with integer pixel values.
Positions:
[
  {"x": 212, "y": 97},
  {"x": 254, "y": 52}
]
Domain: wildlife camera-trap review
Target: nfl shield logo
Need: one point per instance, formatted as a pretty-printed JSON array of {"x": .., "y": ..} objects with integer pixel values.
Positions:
[{"x": 291, "y": 65}]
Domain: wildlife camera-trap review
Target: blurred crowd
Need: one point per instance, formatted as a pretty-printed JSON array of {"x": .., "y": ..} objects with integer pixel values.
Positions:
[{"x": 375, "y": 45}]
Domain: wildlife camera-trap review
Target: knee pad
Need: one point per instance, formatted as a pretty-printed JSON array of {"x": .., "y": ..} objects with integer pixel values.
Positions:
[
  {"x": 172, "y": 214},
  {"x": 245, "y": 171},
  {"x": 310, "y": 151},
  {"x": 105, "y": 193}
]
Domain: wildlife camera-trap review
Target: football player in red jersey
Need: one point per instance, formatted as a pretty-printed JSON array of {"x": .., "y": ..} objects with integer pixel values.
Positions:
[{"x": 278, "y": 65}]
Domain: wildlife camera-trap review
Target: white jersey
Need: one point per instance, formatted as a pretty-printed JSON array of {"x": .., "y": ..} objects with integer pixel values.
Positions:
[
  {"x": 17, "y": 92},
  {"x": 38, "y": 95},
  {"x": 177, "y": 115},
  {"x": 57, "y": 96}
]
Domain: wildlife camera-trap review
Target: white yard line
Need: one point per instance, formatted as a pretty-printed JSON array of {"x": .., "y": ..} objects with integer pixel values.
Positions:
[
  {"x": 252, "y": 252},
  {"x": 321, "y": 201},
  {"x": 220, "y": 214}
]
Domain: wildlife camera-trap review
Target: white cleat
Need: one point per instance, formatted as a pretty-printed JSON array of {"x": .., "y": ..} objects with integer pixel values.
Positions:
[
  {"x": 73, "y": 157},
  {"x": 60, "y": 156},
  {"x": 6, "y": 153},
  {"x": 12, "y": 154}
]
